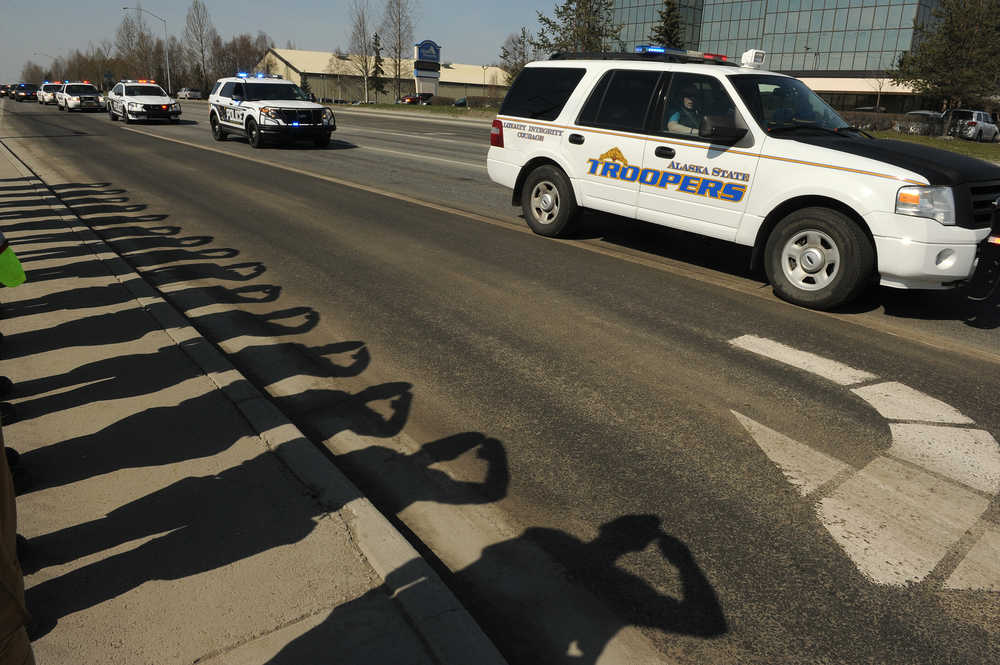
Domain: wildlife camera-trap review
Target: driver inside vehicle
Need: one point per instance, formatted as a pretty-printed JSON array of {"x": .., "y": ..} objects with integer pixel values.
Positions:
[{"x": 687, "y": 118}]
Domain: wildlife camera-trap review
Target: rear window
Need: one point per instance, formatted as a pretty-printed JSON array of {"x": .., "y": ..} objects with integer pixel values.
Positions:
[
  {"x": 81, "y": 90},
  {"x": 144, "y": 91},
  {"x": 961, "y": 115},
  {"x": 541, "y": 92},
  {"x": 28, "y": 86}
]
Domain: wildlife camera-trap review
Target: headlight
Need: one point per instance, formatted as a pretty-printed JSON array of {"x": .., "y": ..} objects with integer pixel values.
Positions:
[
  {"x": 327, "y": 117},
  {"x": 74, "y": 99},
  {"x": 937, "y": 203},
  {"x": 134, "y": 106},
  {"x": 175, "y": 107},
  {"x": 271, "y": 112}
]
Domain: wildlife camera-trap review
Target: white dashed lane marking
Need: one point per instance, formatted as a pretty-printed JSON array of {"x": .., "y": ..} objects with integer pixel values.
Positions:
[{"x": 901, "y": 515}]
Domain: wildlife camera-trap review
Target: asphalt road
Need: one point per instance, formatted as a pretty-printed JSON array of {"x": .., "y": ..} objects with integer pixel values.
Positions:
[{"x": 614, "y": 443}]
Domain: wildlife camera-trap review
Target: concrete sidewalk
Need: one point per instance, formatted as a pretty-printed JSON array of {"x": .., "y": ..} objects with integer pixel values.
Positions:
[{"x": 173, "y": 514}]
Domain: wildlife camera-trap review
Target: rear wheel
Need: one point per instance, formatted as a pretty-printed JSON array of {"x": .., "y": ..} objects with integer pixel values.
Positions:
[
  {"x": 253, "y": 133},
  {"x": 819, "y": 258},
  {"x": 548, "y": 202},
  {"x": 217, "y": 132}
]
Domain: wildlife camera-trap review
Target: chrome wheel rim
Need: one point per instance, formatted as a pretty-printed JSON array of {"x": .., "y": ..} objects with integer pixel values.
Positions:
[
  {"x": 545, "y": 202},
  {"x": 810, "y": 260}
]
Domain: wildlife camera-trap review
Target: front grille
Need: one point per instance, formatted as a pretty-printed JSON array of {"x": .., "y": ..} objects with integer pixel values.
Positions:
[
  {"x": 302, "y": 116},
  {"x": 983, "y": 194},
  {"x": 156, "y": 109}
]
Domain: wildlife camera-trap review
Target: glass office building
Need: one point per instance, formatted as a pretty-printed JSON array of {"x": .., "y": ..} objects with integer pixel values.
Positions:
[
  {"x": 638, "y": 16},
  {"x": 805, "y": 37}
]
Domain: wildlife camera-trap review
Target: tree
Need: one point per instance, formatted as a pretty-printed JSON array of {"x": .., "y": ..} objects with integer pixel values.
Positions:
[
  {"x": 198, "y": 34},
  {"x": 397, "y": 26},
  {"x": 579, "y": 26},
  {"x": 517, "y": 51},
  {"x": 306, "y": 88},
  {"x": 377, "y": 80},
  {"x": 32, "y": 73},
  {"x": 669, "y": 30},
  {"x": 360, "y": 45},
  {"x": 134, "y": 44},
  {"x": 954, "y": 57}
]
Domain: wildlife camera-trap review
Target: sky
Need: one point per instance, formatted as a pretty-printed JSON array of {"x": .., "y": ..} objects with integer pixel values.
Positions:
[{"x": 469, "y": 31}]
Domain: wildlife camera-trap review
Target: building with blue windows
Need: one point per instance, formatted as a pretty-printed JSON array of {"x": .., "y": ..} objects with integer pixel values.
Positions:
[{"x": 840, "y": 48}]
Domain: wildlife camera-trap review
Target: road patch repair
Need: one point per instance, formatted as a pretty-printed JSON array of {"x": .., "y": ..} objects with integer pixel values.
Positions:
[{"x": 916, "y": 512}]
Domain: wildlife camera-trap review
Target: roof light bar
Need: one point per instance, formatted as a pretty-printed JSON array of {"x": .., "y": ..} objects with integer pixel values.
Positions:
[{"x": 664, "y": 50}]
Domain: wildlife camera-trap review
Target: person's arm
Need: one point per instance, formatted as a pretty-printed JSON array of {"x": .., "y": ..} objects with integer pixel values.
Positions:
[{"x": 674, "y": 125}]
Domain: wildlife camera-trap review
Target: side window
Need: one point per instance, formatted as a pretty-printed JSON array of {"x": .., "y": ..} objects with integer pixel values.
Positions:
[
  {"x": 118, "y": 89},
  {"x": 239, "y": 92},
  {"x": 690, "y": 99},
  {"x": 215, "y": 88},
  {"x": 540, "y": 93},
  {"x": 621, "y": 100},
  {"x": 227, "y": 89}
]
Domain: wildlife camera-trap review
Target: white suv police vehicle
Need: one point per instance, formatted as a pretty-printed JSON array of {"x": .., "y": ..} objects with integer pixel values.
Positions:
[
  {"x": 730, "y": 151},
  {"x": 266, "y": 107},
  {"x": 141, "y": 100}
]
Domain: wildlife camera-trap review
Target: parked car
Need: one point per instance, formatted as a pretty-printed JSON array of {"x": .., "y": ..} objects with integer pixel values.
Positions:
[
  {"x": 971, "y": 124},
  {"x": 425, "y": 98},
  {"x": 188, "y": 93},
  {"x": 409, "y": 99},
  {"x": 461, "y": 101}
]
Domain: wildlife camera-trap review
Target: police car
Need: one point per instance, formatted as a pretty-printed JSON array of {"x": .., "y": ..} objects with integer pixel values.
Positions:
[
  {"x": 141, "y": 99},
  {"x": 265, "y": 106},
  {"x": 732, "y": 151},
  {"x": 47, "y": 93},
  {"x": 79, "y": 95}
]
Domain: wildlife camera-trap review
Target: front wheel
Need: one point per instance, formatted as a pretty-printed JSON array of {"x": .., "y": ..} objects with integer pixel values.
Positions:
[
  {"x": 111, "y": 114},
  {"x": 548, "y": 202},
  {"x": 253, "y": 133},
  {"x": 818, "y": 258},
  {"x": 322, "y": 141}
]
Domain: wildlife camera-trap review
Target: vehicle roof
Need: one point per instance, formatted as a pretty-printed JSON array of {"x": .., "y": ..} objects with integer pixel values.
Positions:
[
  {"x": 251, "y": 79},
  {"x": 655, "y": 65}
]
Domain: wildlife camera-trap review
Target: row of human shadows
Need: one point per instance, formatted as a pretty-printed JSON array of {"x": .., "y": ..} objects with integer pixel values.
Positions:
[{"x": 214, "y": 520}]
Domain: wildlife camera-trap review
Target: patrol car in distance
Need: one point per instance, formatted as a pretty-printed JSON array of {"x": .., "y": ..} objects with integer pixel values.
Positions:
[
  {"x": 78, "y": 95},
  {"x": 47, "y": 93},
  {"x": 732, "y": 151},
  {"x": 266, "y": 107},
  {"x": 141, "y": 99}
]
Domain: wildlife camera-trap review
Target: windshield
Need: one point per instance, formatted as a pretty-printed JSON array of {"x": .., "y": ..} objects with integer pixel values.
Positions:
[
  {"x": 275, "y": 91},
  {"x": 144, "y": 91},
  {"x": 81, "y": 90},
  {"x": 28, "y": 86},
  {"x": 51, "y": 87},
  {"x": 778, "y": 102}
]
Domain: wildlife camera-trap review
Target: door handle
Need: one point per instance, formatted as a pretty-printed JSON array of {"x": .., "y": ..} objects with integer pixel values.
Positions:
[
  {"x": 576, "y": 139},
  {"x": 664, "y": 152}
]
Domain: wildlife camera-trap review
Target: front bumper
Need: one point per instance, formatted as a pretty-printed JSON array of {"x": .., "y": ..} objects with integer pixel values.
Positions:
[
  {"x": 297, "y": 131},
  {"x": 84, "y": 106},
  {"x": 917, "y": 253},
  {"x": 154, "y": 114}
]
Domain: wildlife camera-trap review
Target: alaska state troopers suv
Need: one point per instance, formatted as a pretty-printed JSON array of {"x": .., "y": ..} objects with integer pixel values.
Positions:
[
  {"x": 691, "y": 141},
  {"x": 141, "y": 100},
  {"x": 266, "y": 107}
]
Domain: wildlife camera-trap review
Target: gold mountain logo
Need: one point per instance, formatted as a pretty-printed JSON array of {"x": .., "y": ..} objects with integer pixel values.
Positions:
[{"x": 614, "y": 155}]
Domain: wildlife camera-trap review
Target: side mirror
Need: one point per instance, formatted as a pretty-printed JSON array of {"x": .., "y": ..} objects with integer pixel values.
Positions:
[
  {"x": 720, "y": 129},
  {"x": 237, "y": 98}
]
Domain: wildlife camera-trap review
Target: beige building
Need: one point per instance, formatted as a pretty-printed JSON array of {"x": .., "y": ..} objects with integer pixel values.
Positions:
[{"x": 334, "y": 76}]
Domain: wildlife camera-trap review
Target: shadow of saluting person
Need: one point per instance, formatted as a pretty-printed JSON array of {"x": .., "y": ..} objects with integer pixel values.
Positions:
[{"x": 541, "y": 614}]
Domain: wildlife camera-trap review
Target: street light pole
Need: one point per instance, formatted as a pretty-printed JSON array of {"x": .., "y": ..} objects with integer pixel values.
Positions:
[
  {"x": 485, "y": 67},
  {"x": 166, "y": 39}
]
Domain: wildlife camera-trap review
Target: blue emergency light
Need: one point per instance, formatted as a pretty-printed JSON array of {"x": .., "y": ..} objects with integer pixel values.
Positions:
[
  {"x": 242, "y": 75},
  {"x": 650, "y": 49}
]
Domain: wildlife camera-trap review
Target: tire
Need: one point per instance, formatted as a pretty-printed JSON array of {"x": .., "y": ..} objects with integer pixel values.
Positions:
[
  {"x": 996, "y": 136},
  {"x": 253, "y": 134},
  {"x": 111, "y": 114},
  {"x": 322, "y": 141},
  {"x": 819, "y": 258},
  {"x": 548, "y": 202},
  {"x": 125, "y": 118},
  {"x": 217, "y": 133}
]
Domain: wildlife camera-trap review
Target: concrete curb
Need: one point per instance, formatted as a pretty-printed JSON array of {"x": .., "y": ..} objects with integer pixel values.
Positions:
[{"x": 450, "y": 633}]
